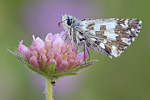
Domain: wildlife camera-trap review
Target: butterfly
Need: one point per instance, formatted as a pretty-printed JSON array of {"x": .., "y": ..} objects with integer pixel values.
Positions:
[{"x": 109, "y": 37}]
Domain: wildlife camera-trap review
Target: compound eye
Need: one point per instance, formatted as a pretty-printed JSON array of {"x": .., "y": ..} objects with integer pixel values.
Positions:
[{"x": 69, "y": 21}]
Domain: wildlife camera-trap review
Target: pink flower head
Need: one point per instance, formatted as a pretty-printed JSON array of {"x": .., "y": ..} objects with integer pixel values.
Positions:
[{"x": 52, "y": 50}]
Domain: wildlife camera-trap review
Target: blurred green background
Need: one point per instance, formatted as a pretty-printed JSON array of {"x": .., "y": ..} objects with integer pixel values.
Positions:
[{"x": 123, "y": 78}]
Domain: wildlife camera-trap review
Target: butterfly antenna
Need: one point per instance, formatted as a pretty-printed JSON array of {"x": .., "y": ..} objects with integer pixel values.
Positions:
[{"x": 61, "y": 22}]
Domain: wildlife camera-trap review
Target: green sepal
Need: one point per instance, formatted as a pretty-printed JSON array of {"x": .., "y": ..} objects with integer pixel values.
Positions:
[
  {"x": 73, "y": 71},
  {"x": 43, "y": 65},
  {"x": 81, "y": 66},
  {"x": 35, "y": 69},
  {"x": 22, "y": 59},
  {"x": 51, "y": 69},
  {"x": 84, "y": 65},
  {"x": 17, "y": 55}
]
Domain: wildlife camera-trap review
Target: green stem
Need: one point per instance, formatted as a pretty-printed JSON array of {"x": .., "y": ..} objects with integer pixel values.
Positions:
[{"x": 48, "y": 89}]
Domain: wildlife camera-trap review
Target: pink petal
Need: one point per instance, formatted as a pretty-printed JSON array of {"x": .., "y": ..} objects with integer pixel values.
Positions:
[
  {"x": 44, "y": 58},
  {"x": 55, "y": 36},
  {"x": 50, "y": 55},
  {"x": 62, "y": 33},
  {"x": 51, "y": 61},
  {"x": 34, "y": 61},
  {"x": 71, "y": 62},
  {"x": 22, "y": 48},
  {"x": 57, "y": 44},
  {"x": 38, "y": 43},
  {"x": 33, "y": 37},
  {"x": 63, "y": 65},
  {"x": 49, "y": 37}
]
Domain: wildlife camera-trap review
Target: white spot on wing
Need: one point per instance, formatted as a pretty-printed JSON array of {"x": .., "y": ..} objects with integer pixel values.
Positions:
[
  {"x": 105, "y": 41},
  {"x": 93, "y": 39},
  {"x": 126, "y": 40},
  {"x": 92, "y": 32},
  {"x": 111, "y": 36},
  {"x": 126, "y": 25},
  {"x": 133, "y": 39},
  {"x": 132, "y": 29},
  {"x": 109, "y": 25},
  {"x": 114, "y": 51},
  {"x": 102, "y": 45},
  {"x": 97, "y": 27},
  {"x": 126, "y": 21},
  {"x": 114, "y": 47},
  {"x": 123, "y": 25},
  {"x": 140, "y": 22}
]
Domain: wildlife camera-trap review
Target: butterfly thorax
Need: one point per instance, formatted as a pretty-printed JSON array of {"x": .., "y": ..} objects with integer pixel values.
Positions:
[{"x": 73, "y": 29}]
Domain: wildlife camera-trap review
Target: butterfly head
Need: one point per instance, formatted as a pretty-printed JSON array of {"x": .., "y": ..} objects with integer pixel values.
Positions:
[{"x": 67, "y": 21}]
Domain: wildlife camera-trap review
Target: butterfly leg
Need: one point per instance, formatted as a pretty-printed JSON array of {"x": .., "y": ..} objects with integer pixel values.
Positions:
[
  {"x": 68, "y": 47},
  {"x": 69, "y": 43},
  {"x": 66, "y": 38},
  {"x": 76, "y": 47},
  {"x": 88, "y": 54},
  {"x": 64, "y": 34},
  {"x": 84, "y": 50}
]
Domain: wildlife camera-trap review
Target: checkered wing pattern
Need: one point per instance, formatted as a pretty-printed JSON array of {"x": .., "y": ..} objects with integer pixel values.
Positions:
[{"x": 110, "y": 36}]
